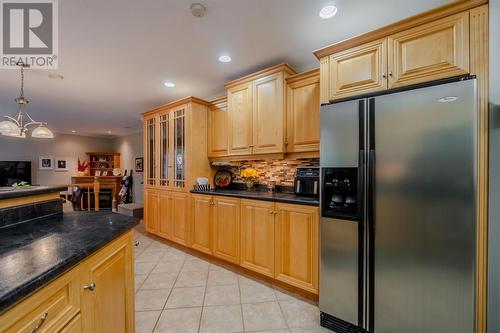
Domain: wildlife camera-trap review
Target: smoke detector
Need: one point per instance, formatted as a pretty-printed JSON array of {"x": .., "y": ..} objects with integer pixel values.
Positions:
[{"x": 198, "y": 10}]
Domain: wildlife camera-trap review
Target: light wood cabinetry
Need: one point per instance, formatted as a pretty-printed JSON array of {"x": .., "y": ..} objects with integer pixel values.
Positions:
[
  {"x": 276, "y": 240},
  {"x": 359, "y": 70},
  {"x": 239, "y": 103},
  {"x": 257, "y": 236},
  {"x": 74, "y": 326},
  {"x": 50, "y": 308},
  {"x": 201, "y": 229},
  {"x": 429, "y": 52},
  {"x": 296, "y": 252},
  {"x": 163, "y": 218},
  {"x": 218, "y": 120},
  {"x": 95, "y": 296},
  {"x": 226, "y": 224},
  {"x": 268, "y": 114},
  {"x": 302, "y": 112},
  {"x": 404, "y": 54},
  {"x": 108, "y": 289},
  {"x": 175, "y": 141},
  {"x": 256, "y": 112},
  {"x": 151, "y": 218},
  {"x": 179, "y": 218}
]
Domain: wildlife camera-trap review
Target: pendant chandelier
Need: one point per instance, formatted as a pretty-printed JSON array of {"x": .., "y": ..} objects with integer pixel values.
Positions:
[{"x": 17, "y": 126}]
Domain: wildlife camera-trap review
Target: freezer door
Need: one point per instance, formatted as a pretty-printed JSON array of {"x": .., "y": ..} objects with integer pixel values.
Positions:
[
  {"x": 339, "y": 144},
  {"x": 339, "y": 269},
  {"x": 424, "y": 209}
]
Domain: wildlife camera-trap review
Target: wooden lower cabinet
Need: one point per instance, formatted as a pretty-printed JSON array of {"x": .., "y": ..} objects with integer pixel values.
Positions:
[
  {"x": 107, "y": 280},
  {"x": 257, "y": 236},
  {"x": 163, "y": 215},
  {"x": 296, "y": 248},
  {"x": 201, "y": 224},
  {"x": 166, "y": 214},
  {"x": 226, "y": 224},
  {"x": 151, "y": 221},
  {"x": 68, "y": 305},
  {"x": 75, "y": 325},
  {"x": 179, "y": 217}
]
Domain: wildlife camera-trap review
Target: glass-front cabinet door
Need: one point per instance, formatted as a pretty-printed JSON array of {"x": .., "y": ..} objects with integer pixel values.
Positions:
[
  {"x": 151, "y": 151},
  {"x": 164, "y": 137},
  {"x": 179, "y": 148}
]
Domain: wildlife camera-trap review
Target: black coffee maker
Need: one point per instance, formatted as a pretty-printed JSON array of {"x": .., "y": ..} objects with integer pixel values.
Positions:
[{"x": 340, "y": 193}]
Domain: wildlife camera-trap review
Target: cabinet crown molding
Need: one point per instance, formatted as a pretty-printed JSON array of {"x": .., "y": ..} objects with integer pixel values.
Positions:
[
  {"x": 312, "y": 74},
  {"x": 266, "y": 71},
  {"x": 411, "y": 22},
  {"x": 170, "y": 105}
]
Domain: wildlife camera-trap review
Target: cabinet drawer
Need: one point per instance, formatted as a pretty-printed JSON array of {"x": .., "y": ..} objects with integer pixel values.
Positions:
[
  {"x": 74, "y": 326},
  {"x": 50, "y": 309}
]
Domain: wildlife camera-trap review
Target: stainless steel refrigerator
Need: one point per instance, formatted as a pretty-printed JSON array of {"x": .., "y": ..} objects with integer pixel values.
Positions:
[{"x": 398, "y": 205}]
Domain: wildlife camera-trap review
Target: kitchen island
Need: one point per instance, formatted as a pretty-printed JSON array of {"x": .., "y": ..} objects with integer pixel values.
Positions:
[{"x": 70, "y": 272}]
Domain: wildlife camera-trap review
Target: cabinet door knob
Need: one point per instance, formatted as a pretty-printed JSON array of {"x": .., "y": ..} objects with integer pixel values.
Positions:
[
  {"x": 390, "y": 73},
  {"x": 90, "y": 286},
  {"x": 136, "y": 243},
  {"x": 40, "y": 323},
  {"x": 384, "y": 75},
  {"x": 271, "y": 212}
]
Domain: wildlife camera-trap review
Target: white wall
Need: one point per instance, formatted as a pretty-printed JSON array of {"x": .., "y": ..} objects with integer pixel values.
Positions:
[
  {"x": 130, "y": 147},
  {"x": 66, "y": 146}
]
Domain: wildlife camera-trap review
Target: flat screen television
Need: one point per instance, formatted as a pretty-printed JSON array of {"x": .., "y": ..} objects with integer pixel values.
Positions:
[{"x": 14, "y": 171}]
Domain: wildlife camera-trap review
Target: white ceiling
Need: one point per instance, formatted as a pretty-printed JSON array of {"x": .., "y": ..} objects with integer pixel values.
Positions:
[{"x": 115, "y": 54}]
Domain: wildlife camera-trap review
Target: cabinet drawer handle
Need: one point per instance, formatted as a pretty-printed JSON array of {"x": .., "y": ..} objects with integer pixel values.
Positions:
[
  {"x": 40, "y": 323},
  {"x": 90, "y": 286}
]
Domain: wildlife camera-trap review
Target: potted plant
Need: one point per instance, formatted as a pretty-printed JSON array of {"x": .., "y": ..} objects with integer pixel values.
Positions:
[
  {"x": 82, "y": 166},
  {"x": 250, "y": 175}
]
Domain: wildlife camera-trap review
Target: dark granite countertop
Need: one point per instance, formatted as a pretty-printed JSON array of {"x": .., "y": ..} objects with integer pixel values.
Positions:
[
  {"x": 284, "y": 197},
  {"x": 11, "y": 192},
  {"x": 34, "y": 253}
]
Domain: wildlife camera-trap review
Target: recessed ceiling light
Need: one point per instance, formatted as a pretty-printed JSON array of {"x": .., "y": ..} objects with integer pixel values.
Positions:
[
  {"x": 109, "y": 132},
  {"x": 169, "y": 84},
  {"x": 73, "y": 131},
  {"x": 224, "y": 58},
  {"x": 328, "y": 12},
  {"x": 447, "y": 99}
]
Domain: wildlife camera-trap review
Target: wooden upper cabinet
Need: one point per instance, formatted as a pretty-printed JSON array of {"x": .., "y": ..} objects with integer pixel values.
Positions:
[
  {"x": 359, "y": 70},
  {"x": 226, "y": 232},
  {"x": 432, "y": 51},
  {"x": 297, "y": 246},
  {"x": 302, "y": 107},
  {"x": 324, "y": 70},
  {"x": 268, "y": 114},
  {"x": 240, "y": 118},
  {"x": 201, "y": 229},
  {"x": 257, "y": 236},
  {"x": 218, "y": 128},
  {"x": 108, "y": 306}
]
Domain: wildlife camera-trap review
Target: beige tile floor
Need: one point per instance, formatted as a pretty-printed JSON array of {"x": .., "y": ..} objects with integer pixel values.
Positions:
[{"x": 180, "y": 293}]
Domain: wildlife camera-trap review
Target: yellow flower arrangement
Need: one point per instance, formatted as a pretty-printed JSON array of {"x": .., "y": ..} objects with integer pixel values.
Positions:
[{"x": 249, "y": 173}]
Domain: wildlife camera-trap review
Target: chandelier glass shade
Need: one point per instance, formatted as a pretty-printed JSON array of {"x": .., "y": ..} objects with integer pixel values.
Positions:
[{"x": 17, "y": 126}]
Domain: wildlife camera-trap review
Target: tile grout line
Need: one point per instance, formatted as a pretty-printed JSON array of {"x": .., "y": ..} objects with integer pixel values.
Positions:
[{"x": 204, "y": 296}]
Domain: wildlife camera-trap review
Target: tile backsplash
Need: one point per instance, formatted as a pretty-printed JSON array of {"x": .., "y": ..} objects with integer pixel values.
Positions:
[{"x": 282, "y": 172}]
